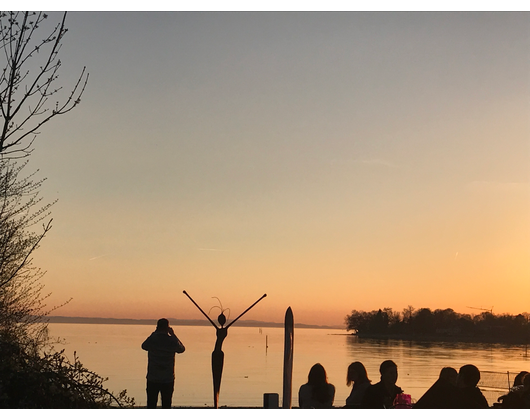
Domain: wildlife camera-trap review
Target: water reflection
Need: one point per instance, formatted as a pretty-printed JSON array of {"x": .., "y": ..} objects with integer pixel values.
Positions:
[{"x": 251, "y": 369}]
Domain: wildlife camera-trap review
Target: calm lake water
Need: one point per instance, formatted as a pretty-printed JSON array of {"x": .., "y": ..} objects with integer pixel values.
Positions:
[{"x": 254, "y": 360}]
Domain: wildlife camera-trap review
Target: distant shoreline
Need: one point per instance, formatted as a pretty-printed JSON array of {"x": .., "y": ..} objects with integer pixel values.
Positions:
[{"x": 173, "y": 321}]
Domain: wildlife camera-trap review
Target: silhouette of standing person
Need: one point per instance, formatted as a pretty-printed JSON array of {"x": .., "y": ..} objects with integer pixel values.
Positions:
[{"x": 161, "y": 347}]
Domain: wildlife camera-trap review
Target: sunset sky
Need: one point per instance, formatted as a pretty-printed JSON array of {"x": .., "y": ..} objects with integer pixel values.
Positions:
[{"x": 333, "y": 161}]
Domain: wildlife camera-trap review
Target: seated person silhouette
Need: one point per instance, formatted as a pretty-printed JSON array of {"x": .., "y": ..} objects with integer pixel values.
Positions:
[
  {"x": 468, "y": 395},
  {"x": 519, "y": 395},
  {"x": 383, "y": 393},
  {"x": 317, "y": 392},
  {"x": 442, "y": 393},
  {"x": 357, "y": 377}
]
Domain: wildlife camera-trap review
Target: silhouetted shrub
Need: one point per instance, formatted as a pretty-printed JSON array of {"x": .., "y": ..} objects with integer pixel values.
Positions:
[{"x": 51, "y": 381}]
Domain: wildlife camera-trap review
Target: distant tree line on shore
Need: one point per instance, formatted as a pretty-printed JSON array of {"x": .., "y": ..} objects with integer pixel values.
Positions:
[{"x": 440, "y": 323}]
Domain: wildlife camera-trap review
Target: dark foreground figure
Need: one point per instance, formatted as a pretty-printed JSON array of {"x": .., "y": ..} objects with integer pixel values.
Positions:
[
  {"x": 442, "y": 393},
  {"x": 161, "y": 347},
  {"x": 461, "y": 393},
  {"x": 519, "y": 395},
  {"x": 357, "y": 377},
  {"x": 468, "y": 393},
  {"x": 317, "y": 392},
  {"x": 383, "y": 393}
]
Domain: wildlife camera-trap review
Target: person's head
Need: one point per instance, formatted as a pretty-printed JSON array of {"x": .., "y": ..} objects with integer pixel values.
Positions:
[
  {"x": 519, "y": 378},
  {"x": 317, "y": 375},
  {"x": 389, "y": 372},
  {"x": 449, "y": 374},
  {"x": 356, "y": 374},
  {"x": 468, "y": 376},
  {"x": 162, "y": 325}
]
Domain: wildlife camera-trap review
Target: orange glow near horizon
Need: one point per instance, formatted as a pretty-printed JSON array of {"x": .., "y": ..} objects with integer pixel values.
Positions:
[{"x": 334, "y": 161}]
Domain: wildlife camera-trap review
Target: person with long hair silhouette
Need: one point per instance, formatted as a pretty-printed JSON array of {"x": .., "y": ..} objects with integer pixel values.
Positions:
[
  {"x": 317, "y": 392},
  {"x": 357, "y": 378}
]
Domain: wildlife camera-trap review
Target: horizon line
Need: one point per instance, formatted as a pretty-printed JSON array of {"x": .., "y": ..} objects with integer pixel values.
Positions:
[{"x": 56, "y": 319}]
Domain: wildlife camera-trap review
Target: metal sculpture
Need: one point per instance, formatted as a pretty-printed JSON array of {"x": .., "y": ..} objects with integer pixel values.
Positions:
[{"x": 217, "y": 355}]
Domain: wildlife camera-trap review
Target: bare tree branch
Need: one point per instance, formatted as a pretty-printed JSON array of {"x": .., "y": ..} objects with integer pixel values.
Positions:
[
  {"x": 28, "y": 80},
  {"x": 29, "y": 71}
]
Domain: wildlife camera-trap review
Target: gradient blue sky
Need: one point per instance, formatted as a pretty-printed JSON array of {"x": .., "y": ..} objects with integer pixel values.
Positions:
[{"x": 334, "y": 161}]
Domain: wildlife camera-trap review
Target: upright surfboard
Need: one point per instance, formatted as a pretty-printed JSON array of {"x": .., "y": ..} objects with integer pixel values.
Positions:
[{"x": 288, "y": 359}]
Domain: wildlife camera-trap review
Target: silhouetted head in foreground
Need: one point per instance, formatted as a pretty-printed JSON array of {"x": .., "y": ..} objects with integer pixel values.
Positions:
[
  {"x": 317, "y": 375},
  {"x": 468, "y": 376},
  {"x": 389, "y": 373},
  {"x": 519, "y": 378},
  {"x": 356, "y": 374},
  {"x": 162, "y": 324},
  {"x": 449, "y": 375}
]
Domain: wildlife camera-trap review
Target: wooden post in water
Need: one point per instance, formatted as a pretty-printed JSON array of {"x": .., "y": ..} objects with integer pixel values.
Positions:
[{"x": 288, "y": 359}]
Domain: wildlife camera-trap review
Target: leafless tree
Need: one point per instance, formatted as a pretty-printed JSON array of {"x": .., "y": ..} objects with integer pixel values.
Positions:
[
  {"x": 29, "y": 63},
  {"x": 33, "y": 375},
  {"x": 28, "y": 79}
]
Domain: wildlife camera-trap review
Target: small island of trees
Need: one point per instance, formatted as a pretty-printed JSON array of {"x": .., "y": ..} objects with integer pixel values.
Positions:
[{"x": 441, "y": 325}]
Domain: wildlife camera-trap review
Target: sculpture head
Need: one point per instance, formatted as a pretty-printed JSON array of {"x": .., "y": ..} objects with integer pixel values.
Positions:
[{"x": 221, "y": 319}]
